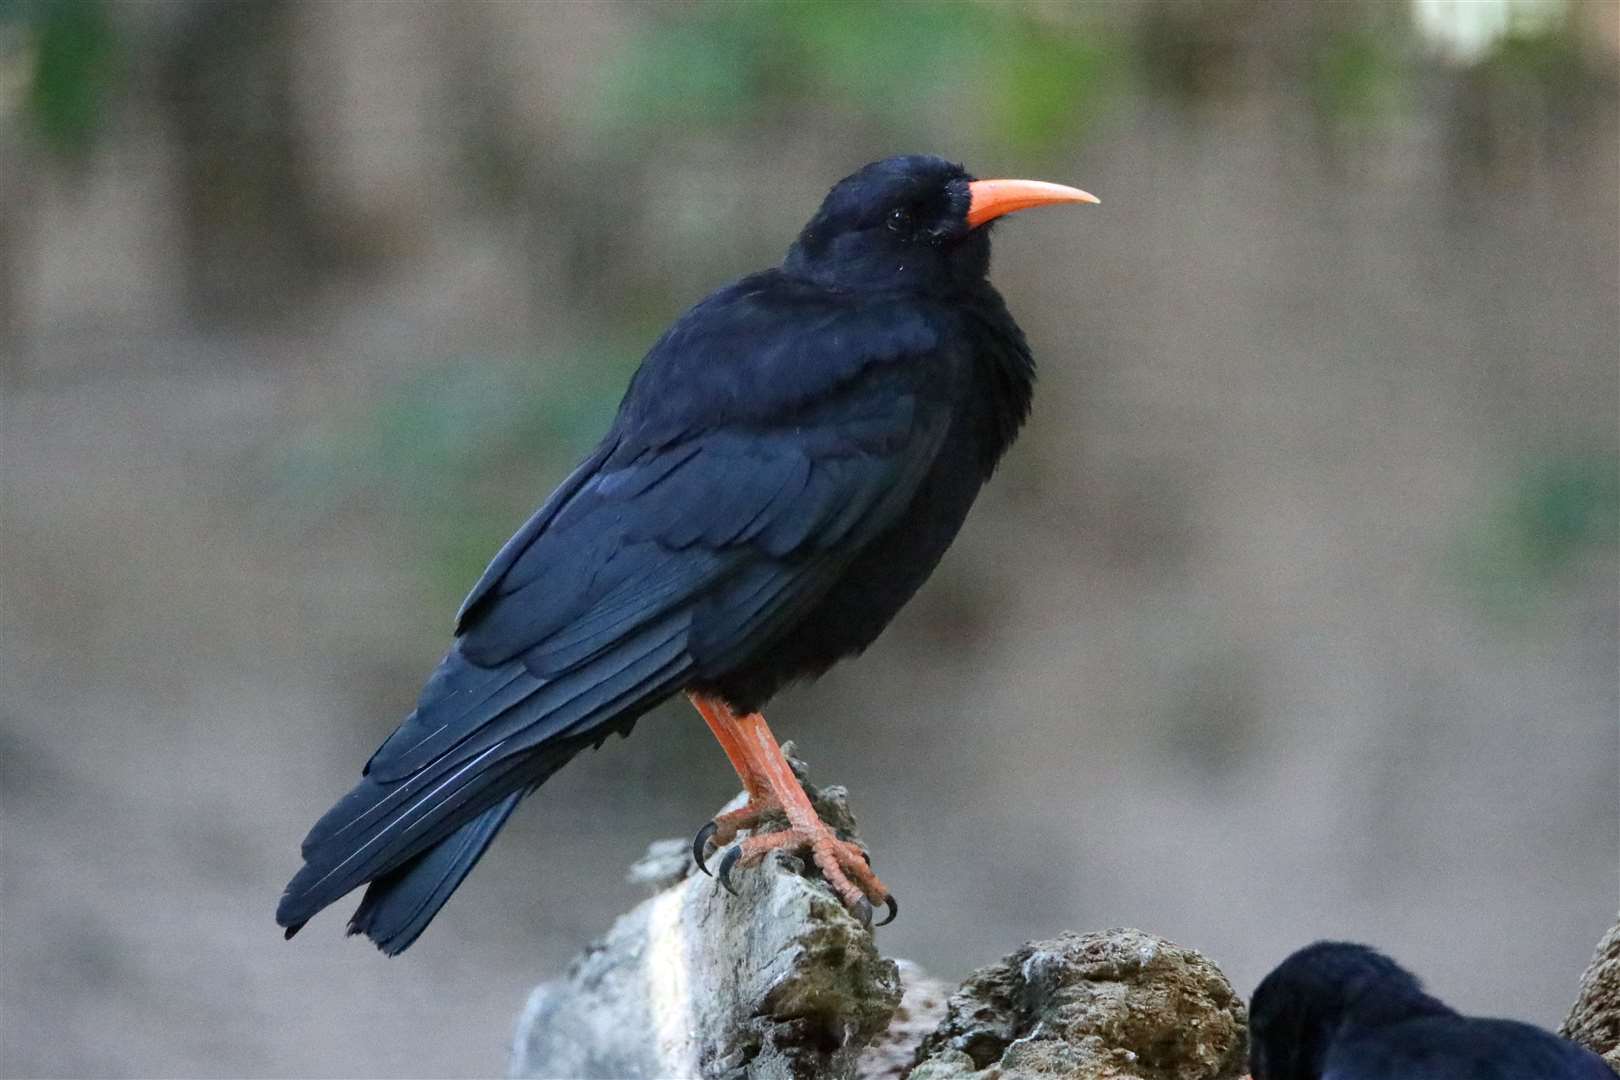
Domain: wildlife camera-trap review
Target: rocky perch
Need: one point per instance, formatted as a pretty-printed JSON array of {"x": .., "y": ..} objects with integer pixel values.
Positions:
[
  {"x": 781, "y": 982},
  {"x": 1594, "y": 1020}
]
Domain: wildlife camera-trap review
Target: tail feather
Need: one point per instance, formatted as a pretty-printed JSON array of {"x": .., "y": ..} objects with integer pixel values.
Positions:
[
  {"x": 416, "y": 836},
  {"x": 431, "y": 819},
  {"x": 399, "y": 905}
]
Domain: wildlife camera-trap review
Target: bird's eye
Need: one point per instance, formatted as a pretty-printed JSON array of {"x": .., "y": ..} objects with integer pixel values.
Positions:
[{"x": 899, "y": 220}]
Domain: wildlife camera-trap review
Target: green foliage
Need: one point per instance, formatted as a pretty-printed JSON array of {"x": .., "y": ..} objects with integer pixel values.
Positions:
[
  {"x": 1553, "y": 515},
  {"x": 1051, "y": 84},
  {"x": 74, "y": 71},
  {"x": 726, "y": 65},
  {"x": 1562, "y": 508},
  {"x": 1360, "y": 78}
]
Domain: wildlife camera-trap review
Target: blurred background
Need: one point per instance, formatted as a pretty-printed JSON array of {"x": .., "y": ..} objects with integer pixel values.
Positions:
[{"x": 1292, "y": 615}]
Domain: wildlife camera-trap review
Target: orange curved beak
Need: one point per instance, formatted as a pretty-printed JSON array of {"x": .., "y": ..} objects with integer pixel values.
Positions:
[{"x": 992, "y": 198}]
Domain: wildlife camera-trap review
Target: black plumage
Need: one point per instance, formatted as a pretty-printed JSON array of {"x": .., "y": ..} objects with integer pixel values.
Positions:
[
  {"x": 786, "y": 468},
  {"x": 1337, "y": 1011}
]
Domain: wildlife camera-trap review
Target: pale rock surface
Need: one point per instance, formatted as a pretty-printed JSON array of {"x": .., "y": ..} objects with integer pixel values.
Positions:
[
  {"x": 776, "y": 982},
  {"x": 781, "y": 982}
]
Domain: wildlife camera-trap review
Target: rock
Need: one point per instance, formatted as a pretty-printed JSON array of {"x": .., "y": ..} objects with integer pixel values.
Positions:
[
  {"x": 778, "y": 982},
  {"x": 921, "y": 1010},
  {"x": 1119, "y": 1004},
  {"x": 1594, "y": 1020},
  {"x": 664, "y": 865}
]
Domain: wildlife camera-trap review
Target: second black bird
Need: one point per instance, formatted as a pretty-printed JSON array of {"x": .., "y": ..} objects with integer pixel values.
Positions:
[{"x": 1337, "y": 1011}]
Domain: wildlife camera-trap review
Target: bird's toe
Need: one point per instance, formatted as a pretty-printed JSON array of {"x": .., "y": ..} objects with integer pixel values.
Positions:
[
  {"x": 894, "y": 910},
  {"x": 700, "y": 844},
  {"x": 727, "y": 864}
]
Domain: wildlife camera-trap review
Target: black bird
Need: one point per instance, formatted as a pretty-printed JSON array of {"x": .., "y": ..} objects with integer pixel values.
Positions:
[
  {"x": 786, "y": 468},
  {"x": 1336, "y": 1011}
]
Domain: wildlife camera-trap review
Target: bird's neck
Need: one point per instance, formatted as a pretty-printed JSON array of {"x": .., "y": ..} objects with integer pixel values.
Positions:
[{"x": 1003, "y": 372}]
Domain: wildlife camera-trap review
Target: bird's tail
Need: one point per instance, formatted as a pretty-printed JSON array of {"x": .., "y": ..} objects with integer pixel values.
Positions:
[
  {"x": 398, "y": 906},
  {"x": 436, "y": 792}
]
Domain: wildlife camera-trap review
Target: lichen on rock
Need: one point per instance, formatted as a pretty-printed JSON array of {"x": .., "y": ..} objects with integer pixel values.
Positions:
[{"x": 1105, "y": 1006}]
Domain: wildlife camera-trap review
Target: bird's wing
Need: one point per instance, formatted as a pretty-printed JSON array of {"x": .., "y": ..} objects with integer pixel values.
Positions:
[
  {"x": 679, "y": 559},
  {"x": 654, "y": 557},
  {"x": 520, "y": 540},
  {"x": 760, "y": 380}
]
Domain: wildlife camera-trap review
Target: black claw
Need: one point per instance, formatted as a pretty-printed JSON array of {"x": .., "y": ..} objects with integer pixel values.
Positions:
[
  {"x": 700, "y": 844},
  {"x": 863, "y": 912},
  {"x": 894, "y": 910},
  {"x": 730, "y": 860}
]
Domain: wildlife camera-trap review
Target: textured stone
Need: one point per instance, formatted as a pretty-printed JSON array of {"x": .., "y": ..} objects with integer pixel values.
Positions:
[
  {"x": 1119, "y": 1004},
  {"x": 777, "y": 982},
  {"x": 1594, "y": 1020}
]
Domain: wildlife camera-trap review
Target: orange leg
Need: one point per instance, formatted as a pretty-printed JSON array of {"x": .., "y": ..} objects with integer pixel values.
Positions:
[
  {"x": 721, "y": 722},
  {"x": 724, "y": 828},
  {"x": 755, "y": 754}
]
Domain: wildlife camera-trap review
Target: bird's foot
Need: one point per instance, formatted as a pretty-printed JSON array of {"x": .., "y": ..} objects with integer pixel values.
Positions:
[
  {"x": 843, "y": 865},
  {"x": 724, "y": 828}
]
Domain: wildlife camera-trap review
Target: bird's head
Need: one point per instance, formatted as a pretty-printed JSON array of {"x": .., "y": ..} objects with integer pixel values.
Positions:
[
  {"x": 1322, "y": 990},
  {"x": 913, "y": 222}
]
